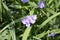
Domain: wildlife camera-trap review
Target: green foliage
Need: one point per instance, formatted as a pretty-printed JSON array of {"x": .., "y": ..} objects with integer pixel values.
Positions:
[
  {"x": 5, "y": 35},
  {"x": 12, "y": 12},
  {"x": 26, "y": 33},
  {"x": 0, "y": 10}
]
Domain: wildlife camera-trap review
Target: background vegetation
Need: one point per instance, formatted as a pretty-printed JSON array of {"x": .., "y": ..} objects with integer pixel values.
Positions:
[{"x": 48, "y": 20}]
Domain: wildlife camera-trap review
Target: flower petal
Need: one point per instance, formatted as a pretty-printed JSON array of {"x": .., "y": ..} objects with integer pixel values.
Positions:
[
  {"x": 27, "y": 24},
  {"x": 53, "y": 34},
  {"x": 23, "y": 21},
  {"x": 34, "y": 17}
]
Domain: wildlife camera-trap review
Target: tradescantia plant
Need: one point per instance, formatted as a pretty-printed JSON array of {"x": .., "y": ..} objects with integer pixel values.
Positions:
[{"x": 29, "y": 19}]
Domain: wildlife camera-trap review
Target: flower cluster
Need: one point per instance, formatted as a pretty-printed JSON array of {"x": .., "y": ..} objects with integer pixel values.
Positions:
[
  {"x": 29, "y": 19},
  {"x": 52, "y": 34}
]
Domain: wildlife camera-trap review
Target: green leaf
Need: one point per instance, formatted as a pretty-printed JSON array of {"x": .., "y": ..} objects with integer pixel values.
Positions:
[
  {"x": 57, "y": 31},
  {"x": 4, "y": 5},
  {"x": 8, "y": 11},
  {"x": 39, "y": 35},
  {"x": 33, "y": 4},
  {"x": 5, "y": 35},
  {"x": 12, "y": 33},
  {"x": 0, "y": 9},
  {"x": 31, "y": 12},
  {"x": 47, "y": 20},
  {"x": 8, "y": 25},
  {"x": 26, "y": 33},
  {"x": 49, "y": 2}
]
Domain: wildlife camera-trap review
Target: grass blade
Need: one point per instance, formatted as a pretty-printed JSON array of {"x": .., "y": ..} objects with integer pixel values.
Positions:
[
  {"x": 49, "y": 19},
  {"x": 0, "y": 9},
  {"x": 26, "y": 33},
  {"x": 12, "y": 33}
]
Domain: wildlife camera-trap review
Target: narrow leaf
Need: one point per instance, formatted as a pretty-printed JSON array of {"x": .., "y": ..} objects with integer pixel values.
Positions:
[
  {"x": 0, "y": 9},
  {"x": 12, "y": 33},
  {"x": 26, "y": 33},
  {"x": 49, "y": 19}
]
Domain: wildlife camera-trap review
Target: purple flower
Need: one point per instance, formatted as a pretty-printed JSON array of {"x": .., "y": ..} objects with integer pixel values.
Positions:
[
  {"x": 32, "y": 18},
  {"x": 52, "y": 34},
  {"x": 29, "y": 19},
  {"x": 41, "y": 5},
  {"x": 26, "y": 22},
  {"x": 24, "y": 1}
]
